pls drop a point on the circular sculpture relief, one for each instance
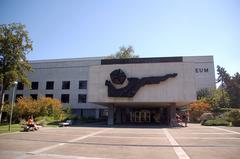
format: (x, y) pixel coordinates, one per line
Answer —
(118, 76)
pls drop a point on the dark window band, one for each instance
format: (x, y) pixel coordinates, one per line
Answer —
(141, 60)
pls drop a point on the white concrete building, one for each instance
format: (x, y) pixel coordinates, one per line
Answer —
(142, 90)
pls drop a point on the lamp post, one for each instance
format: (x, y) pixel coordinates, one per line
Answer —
(13, 93)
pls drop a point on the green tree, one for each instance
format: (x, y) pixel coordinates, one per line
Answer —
(214, 98)
(42, 107)
(231, 84)
(15, 44)
(224, 78)
(233, 88)
(15, 115)
(203, 93)
(124, 53)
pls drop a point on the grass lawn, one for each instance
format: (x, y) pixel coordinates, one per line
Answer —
(14, 128)
(52, 125)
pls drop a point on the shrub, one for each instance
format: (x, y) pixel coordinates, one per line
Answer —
(44, 120)
(22, 122)
(206, 116)
(27, 107)
(197, 109)
(216, 122)
(65, 114)
(41, 107)
(7, 110)
(223, 116)
(49, 107)
(234, 117)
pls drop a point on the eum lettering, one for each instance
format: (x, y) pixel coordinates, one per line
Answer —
(201, 70)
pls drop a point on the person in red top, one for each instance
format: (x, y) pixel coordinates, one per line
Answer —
(31, 123)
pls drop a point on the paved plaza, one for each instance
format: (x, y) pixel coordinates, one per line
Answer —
(193, 142)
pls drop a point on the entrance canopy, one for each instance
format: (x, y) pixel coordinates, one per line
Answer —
(144, 104)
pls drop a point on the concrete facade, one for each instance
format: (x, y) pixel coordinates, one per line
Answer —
(59, 70)
(204, 71)
(180, 89)
(194, 73)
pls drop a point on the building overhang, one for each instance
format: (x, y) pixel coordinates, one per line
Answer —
(144, 104)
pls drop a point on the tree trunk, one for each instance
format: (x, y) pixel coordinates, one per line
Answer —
(1, 103)
(2, 94)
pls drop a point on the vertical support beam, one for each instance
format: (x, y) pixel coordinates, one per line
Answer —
(118, 115)
(124, 115)
(110, 116)
(81, 112)
(173, 121)
(160, 113)
(97, 113)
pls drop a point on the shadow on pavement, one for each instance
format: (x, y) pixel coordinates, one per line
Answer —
(103, 124)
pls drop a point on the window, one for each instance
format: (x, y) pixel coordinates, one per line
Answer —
(34, 85)
(20, 86)
(65, 98)
(49, 85)
(82, 84)
(34, 96)
(18, 96)
(82, 98)
(6, 98)
(66, 85)
(49, 95)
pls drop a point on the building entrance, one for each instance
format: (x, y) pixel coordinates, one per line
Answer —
(153, 115)
(143, 116)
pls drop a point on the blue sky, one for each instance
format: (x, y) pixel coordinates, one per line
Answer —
(155, 28)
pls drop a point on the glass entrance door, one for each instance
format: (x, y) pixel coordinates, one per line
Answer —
(143, 116)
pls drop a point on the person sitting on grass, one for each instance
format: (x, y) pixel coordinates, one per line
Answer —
(31, 123)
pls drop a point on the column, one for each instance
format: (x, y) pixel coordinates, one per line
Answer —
(124, 115)
(110, 116)
(118, 116)
(97, 113)
(173, 121)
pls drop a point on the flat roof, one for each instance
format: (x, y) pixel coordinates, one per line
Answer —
(106, 61)
(67, 59)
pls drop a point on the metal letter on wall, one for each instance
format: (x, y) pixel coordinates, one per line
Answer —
(118, 77)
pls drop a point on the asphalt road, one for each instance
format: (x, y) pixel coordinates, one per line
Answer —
(192, 142)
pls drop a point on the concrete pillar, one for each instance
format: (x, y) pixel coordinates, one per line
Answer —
(172, 113)
(124, 115)
(118, 116)
(97, 113)
(110, 116)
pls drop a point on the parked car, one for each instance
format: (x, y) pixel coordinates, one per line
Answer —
(66, 123)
